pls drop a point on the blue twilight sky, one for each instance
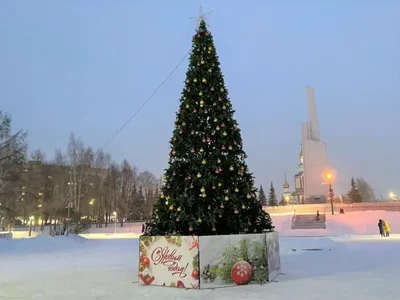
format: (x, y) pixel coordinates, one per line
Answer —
(87, 66)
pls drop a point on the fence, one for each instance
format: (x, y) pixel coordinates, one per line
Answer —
(312, 208)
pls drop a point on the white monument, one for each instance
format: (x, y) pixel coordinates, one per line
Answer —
(314, 156)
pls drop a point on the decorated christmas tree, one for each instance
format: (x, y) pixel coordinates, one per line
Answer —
(207, 186)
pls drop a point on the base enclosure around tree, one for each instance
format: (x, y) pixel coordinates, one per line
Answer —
(204, 262)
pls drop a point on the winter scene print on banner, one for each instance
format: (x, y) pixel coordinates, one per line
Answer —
(233, 260)
(274, 259)
(169, 261)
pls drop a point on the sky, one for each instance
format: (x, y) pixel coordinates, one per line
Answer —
(87, 66)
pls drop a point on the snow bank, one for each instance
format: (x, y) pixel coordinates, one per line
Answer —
(348, 224)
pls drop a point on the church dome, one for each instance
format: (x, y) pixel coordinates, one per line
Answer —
(285, 185)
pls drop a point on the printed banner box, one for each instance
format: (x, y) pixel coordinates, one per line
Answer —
(169, 261)
(204, 262)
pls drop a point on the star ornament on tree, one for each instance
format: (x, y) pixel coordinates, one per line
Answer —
(202, 16)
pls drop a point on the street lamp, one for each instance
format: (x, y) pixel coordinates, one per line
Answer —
(91, 202)
(115, 221)
(331, 194)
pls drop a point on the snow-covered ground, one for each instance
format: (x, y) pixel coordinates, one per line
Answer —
(77, 268)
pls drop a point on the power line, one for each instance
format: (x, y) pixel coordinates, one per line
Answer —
(144, 103)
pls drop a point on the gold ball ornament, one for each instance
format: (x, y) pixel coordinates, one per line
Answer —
(217, 128)
(173, 152)
(174, 233)
(230, 147)
(201, 150)
(215, 120)
(162, 196)
(209, 48)
(184, 124)
(171, 207)
(209, 70)
(199, 220)
(226, 198)
(187, 105)
(198, 175)
(195, 80)
(202, 62)
(222, 90)
(187, 80)
(224, 107)
(204, 80)
(203, 162)
(201, 103)
(200, 93)
(218, 161)
(248, 196)
(237, 190)
(203, 195)
(243, 206)
(179, 209)
(219, 184)
(202, 190)
(166, 202)
(224, 133)
(231, 168)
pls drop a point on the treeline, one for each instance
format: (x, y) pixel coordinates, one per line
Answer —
(86, 184)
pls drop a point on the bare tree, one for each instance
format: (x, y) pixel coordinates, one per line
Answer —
(149, 186)
(102, 163)
(80, 160)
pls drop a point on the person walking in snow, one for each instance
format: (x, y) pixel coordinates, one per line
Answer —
(381, 227)
(386, 227)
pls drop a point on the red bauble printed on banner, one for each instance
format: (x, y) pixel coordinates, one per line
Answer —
(242, 273)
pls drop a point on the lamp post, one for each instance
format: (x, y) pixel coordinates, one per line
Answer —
(115, 221)
(31, 218)
(331, 195)
(91, 202)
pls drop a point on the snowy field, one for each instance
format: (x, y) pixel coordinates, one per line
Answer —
(356, 264)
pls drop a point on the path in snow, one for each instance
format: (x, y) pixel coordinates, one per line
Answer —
(85, 270)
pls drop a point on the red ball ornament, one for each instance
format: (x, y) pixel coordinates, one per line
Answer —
(204, 140)
(236, 212)
(212, 89)
(192, 132)
(145, 261)
(214, 104)
(214, 229)
(195, 274)
(195, 110)
(193, 150)
(242, 273)
(222, 206)
(190, 229)
(177, 219)
(223, 148)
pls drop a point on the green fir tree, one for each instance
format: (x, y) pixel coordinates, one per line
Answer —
(261, 197)
(272, 200)
(207, 186)
(354, 193)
